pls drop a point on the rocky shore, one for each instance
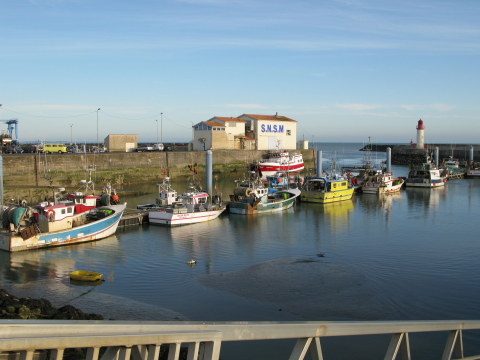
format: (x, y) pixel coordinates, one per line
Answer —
(12, 307)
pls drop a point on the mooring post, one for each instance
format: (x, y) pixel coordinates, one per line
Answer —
(389, 160)
(319, 163)
(437, 156)
(209, 171)
(471, 154)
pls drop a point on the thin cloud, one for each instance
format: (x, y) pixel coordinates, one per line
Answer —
(428, 107)
(246, 106)
(357, 107)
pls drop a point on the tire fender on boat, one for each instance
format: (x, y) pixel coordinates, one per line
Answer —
(51, 215)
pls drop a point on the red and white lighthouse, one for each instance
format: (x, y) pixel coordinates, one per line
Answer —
(420, 135)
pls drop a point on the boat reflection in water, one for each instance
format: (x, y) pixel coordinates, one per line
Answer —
(428, 199)
(337, 215)
(54, 263)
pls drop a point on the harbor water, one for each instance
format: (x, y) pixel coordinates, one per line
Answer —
(407, 256)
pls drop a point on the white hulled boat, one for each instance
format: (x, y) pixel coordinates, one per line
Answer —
(425, 176)
(188, 208)
(377, 181)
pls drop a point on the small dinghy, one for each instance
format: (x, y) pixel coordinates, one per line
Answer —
(80, 275)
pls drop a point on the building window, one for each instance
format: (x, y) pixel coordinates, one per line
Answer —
(289, 132)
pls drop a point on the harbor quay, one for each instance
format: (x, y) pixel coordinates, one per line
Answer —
(30, 171)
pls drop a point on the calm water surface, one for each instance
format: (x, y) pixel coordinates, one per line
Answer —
(413, 255)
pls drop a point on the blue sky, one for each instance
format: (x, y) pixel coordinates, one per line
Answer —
(344, 69)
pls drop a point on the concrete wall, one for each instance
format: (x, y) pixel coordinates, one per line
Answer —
(66, 169)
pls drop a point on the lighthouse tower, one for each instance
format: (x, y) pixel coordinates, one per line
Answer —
(420, 135)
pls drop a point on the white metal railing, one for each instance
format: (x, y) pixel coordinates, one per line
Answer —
(108, 340)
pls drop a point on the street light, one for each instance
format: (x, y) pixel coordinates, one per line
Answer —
(71, 137)
(157, 129)
(161, 127)
(98, 144)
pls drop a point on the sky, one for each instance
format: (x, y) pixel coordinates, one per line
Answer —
(345, 70)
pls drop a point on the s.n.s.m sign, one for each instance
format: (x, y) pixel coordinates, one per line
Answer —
(271, 128)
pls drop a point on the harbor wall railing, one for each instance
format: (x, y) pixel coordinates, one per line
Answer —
(108, 340)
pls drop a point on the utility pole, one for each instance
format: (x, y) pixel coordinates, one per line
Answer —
(98, 144)
(161, 127)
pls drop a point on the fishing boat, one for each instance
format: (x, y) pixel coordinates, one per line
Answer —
(380, 182)
(252, 197)
(281, 180)
(473, 170)
(55, 224)
(425, 176)
(81, 275)
(282, 161)
(192, 207)
(326, 190)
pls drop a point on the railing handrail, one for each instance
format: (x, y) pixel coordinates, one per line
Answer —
(143, 339)
(234, 331)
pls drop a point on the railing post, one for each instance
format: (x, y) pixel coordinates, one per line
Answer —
(454, 345)
(316, 350)
(56, 354)
(193, 349)
(300, 349)
(212, 350)
(153, 352)
(92, 353)
(174, 351)
(399, 344)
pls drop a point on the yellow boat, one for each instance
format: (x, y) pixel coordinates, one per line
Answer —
(80, 275)
(324, 191)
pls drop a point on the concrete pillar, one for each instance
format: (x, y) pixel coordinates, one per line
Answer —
(470, 157)
(437, 156)
(319, 163)
(209, 171)
(1, 187)
(389, 160)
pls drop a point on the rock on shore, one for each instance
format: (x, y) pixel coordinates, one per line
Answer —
(12, 307)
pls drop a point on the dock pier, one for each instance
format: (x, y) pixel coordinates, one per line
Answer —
(133, 217)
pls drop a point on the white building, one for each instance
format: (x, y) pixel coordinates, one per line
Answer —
(248, 131)
(271, 132)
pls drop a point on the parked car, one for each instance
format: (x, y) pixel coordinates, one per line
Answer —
(54, 148)
(72, 149)
(29, 148)
(14, 149)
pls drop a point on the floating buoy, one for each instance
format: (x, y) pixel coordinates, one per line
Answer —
(191, 262)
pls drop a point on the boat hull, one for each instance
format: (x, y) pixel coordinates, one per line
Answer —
(257, 207)
(162, 217)
(473, 173)
(424, 183)
(379, 189)
(89, 232)
(270, 169)
(326, 197)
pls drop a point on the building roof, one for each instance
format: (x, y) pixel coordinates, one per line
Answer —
(213, 123)
(275, 117)
(224, 118)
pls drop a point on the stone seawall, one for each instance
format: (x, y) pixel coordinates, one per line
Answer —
(122, 168)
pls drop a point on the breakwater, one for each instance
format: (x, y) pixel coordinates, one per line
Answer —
(119, 169)
(408, 154)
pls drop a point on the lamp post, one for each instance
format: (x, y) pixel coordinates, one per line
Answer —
(97, 131)
(71, 136)
(157, 131)
(161, 127)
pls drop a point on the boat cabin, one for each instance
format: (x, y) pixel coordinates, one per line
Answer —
(324, 185)
(83, 202)
(55, 217)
